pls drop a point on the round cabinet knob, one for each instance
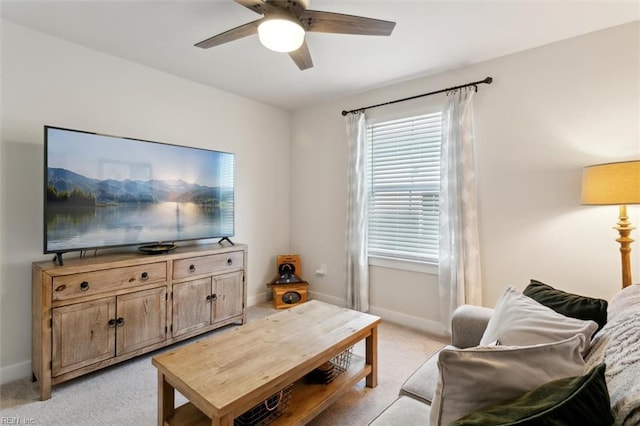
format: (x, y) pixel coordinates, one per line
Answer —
(120, 322)
(84, 286)
(145, 276)
(229, 262)
(192, 268)
(112, 323)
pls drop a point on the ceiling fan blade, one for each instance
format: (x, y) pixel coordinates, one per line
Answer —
(328, 22)
(302, 57)
(296, 7)
(258, 6)
(231, 35)
(297, 3)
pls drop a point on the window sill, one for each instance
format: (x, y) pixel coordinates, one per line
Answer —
(405, 265)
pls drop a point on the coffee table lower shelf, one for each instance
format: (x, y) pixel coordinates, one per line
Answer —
(307, 400)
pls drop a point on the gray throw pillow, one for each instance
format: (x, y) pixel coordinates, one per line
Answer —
(519, 320)
(582, 400)
(476, 378)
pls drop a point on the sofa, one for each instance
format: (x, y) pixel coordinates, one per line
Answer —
(540, 357)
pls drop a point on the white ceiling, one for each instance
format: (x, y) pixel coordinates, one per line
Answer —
(429, 37)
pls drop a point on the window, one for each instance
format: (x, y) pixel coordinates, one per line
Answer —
(403, 183)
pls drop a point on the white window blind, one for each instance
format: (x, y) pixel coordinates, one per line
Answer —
(403, 182)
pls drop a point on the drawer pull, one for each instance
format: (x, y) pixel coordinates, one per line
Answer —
(229, 262)
(120, 322)
(145, 276)
(192, 268)
(214, 297)
(112, 323)
(208, 298)
(84, 286)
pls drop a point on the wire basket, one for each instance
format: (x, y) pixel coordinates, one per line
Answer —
(328, 371)
(266, 411)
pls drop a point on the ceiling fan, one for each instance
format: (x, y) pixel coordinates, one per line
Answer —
(284, 23)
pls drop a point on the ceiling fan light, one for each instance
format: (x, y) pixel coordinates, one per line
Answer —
(281, 35)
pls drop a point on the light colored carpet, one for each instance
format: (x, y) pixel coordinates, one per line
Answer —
(125, 394)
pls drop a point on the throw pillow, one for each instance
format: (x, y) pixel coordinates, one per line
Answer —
(518, 320)
(476, 378)
(582, 400)
(569, 304)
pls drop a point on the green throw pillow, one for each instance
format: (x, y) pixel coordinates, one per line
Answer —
(568, 304)
(582, 400)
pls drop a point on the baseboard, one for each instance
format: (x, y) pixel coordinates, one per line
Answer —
(314, 295)
(430, 326)
(15, 372)
(258, 298)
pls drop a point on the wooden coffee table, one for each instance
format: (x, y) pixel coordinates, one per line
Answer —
(227, 374)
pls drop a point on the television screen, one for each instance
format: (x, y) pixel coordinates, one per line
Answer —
(107, 191)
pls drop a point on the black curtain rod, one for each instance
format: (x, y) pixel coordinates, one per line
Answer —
(487, 80)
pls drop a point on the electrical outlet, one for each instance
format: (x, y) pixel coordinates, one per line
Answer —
(322, 270)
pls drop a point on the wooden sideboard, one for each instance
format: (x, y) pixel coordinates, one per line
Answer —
(97, 311)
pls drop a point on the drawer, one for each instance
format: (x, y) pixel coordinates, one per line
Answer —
(201, 265)
(88, 283)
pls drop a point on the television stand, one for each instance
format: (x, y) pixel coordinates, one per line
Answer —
(226, 238)
(98, 311)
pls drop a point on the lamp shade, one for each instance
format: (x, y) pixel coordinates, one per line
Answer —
(281, 34)
(611, 183)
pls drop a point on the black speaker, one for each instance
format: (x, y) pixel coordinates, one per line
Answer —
(291, 297)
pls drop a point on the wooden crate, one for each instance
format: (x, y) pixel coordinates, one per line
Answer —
(289, 295)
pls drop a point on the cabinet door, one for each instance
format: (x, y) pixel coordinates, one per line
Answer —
(191, 306)
(82, 334)
(228, 290)
(141, 319)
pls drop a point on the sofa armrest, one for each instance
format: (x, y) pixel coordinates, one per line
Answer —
(468, 324)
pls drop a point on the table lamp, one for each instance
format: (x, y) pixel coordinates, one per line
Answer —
(615, 184)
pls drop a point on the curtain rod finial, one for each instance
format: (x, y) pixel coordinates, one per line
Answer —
(344, 113)
(488, 80)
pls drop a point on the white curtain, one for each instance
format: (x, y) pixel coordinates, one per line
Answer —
(357, 264)
(459, 269)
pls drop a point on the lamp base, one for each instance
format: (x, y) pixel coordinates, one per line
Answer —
(624, 228)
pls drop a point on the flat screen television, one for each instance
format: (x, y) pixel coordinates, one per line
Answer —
(103, 191)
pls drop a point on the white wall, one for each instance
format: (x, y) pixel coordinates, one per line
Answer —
(550, 111)
(46, 80)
